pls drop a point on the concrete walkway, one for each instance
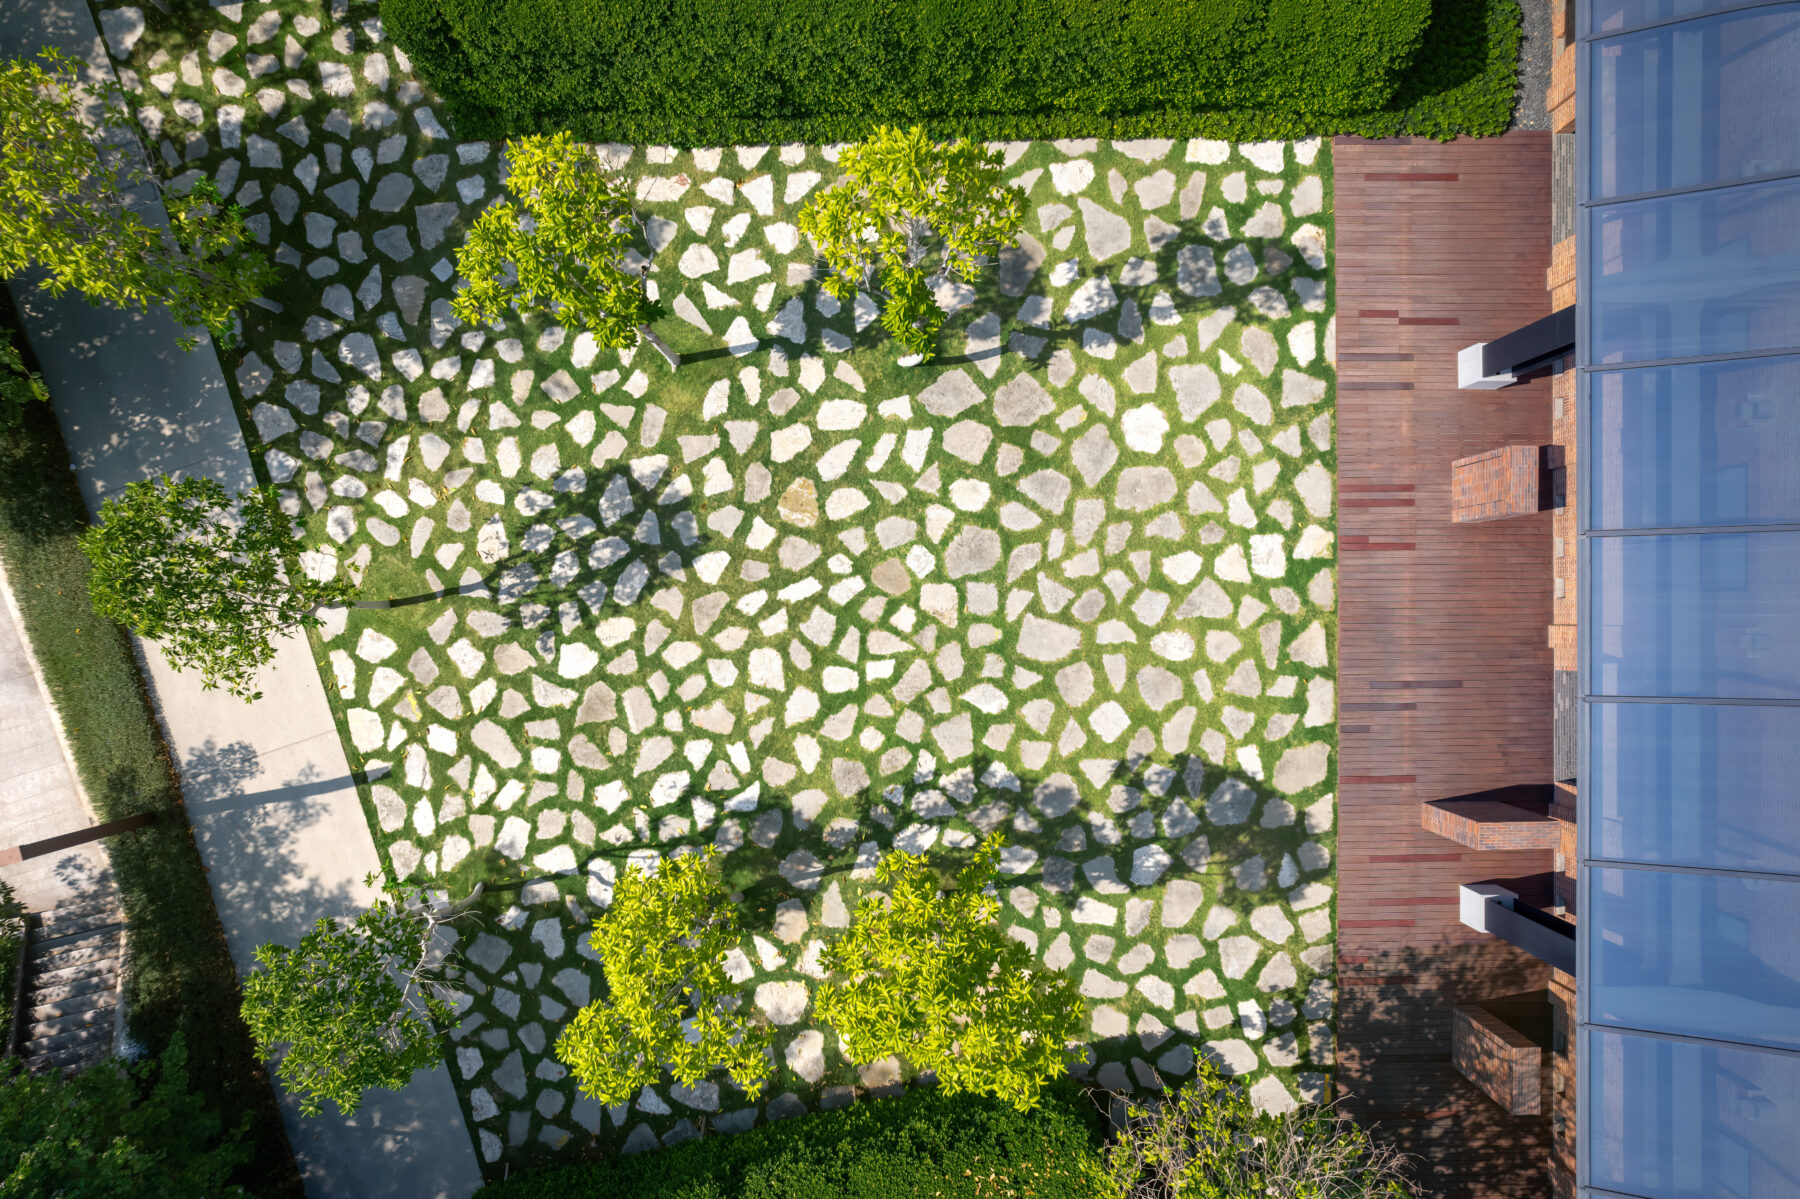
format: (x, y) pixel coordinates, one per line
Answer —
(267, 785)
(40, 793)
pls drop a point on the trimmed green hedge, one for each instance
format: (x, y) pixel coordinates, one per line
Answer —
(181, 978)
(923, 1143)
(695, 72)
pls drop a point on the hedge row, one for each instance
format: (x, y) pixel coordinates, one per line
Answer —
(923, 1143)
(181, 978)
(694, 72)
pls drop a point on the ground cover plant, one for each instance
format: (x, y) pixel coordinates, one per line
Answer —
(715, 72)
(925, 1143)
(181, 981)
(1071, 580)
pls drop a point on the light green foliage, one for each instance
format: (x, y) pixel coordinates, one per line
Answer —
(113, 1132)
(18, 386)
(668, 1004)
(353, 1002)
(71, 174)
(559, 246)
(907, 208)
(932, 977)
(1208, 1141)
(210, 579)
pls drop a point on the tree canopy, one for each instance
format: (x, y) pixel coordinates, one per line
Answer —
(212, 580)
(910, 210)
(564, 243)
(931, 977)
(352, 1005)
(74, 181)
(662, 944)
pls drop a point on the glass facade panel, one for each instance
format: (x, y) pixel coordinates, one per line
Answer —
(1679, 1120)
(1695, 615)
(1623, 14)
(1706, 273)
(1698, 954)
(1695, 785)
(1705, 101)
(1715, 443)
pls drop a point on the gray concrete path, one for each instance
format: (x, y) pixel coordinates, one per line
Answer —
(267, 785)
(40, 793)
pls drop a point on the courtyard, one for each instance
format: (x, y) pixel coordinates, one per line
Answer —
(1071, 581)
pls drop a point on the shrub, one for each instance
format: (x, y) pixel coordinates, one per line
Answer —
(1208, 1138)
(115, 1132)
(12, 933)
(924, 1143)
(715, 72)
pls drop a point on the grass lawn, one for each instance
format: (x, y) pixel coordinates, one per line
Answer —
(1072, 580)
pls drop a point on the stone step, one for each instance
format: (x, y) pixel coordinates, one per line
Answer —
(104, 899)
(103, 982)
(68, 953)
(68, 1060)
(86, 1036)
(101, 917)
(73, 972)
(97, 1000)
(42, 1031)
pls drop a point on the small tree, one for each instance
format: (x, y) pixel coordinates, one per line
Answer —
(930, 976)
(669, 1006)
(353, 1003)
(71, 170)
(114, 1132)
(908, 207)
(564, 247)
(212, 580)
(1208, 1139)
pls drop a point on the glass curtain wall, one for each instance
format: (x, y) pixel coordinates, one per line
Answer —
(1688, 345)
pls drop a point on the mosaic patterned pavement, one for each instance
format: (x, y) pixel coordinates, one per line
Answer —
(1071, 581)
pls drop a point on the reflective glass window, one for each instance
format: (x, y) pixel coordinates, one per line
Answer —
(1695, 785)
(1714, 615)
(1623, 14)
(1680, 1120)
(1715, 443)
(1698, 954)
(1704, 101)
(1703, 273)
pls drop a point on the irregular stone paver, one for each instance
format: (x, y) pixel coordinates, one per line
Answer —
(811, 604)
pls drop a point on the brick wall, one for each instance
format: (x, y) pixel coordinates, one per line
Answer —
(1559, 276)
(1560, 99)
(1564, 576)
(1489, 825)
(1504, 1063)
(1497, 484)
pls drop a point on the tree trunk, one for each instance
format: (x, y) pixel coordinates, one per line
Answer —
(669, 356)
